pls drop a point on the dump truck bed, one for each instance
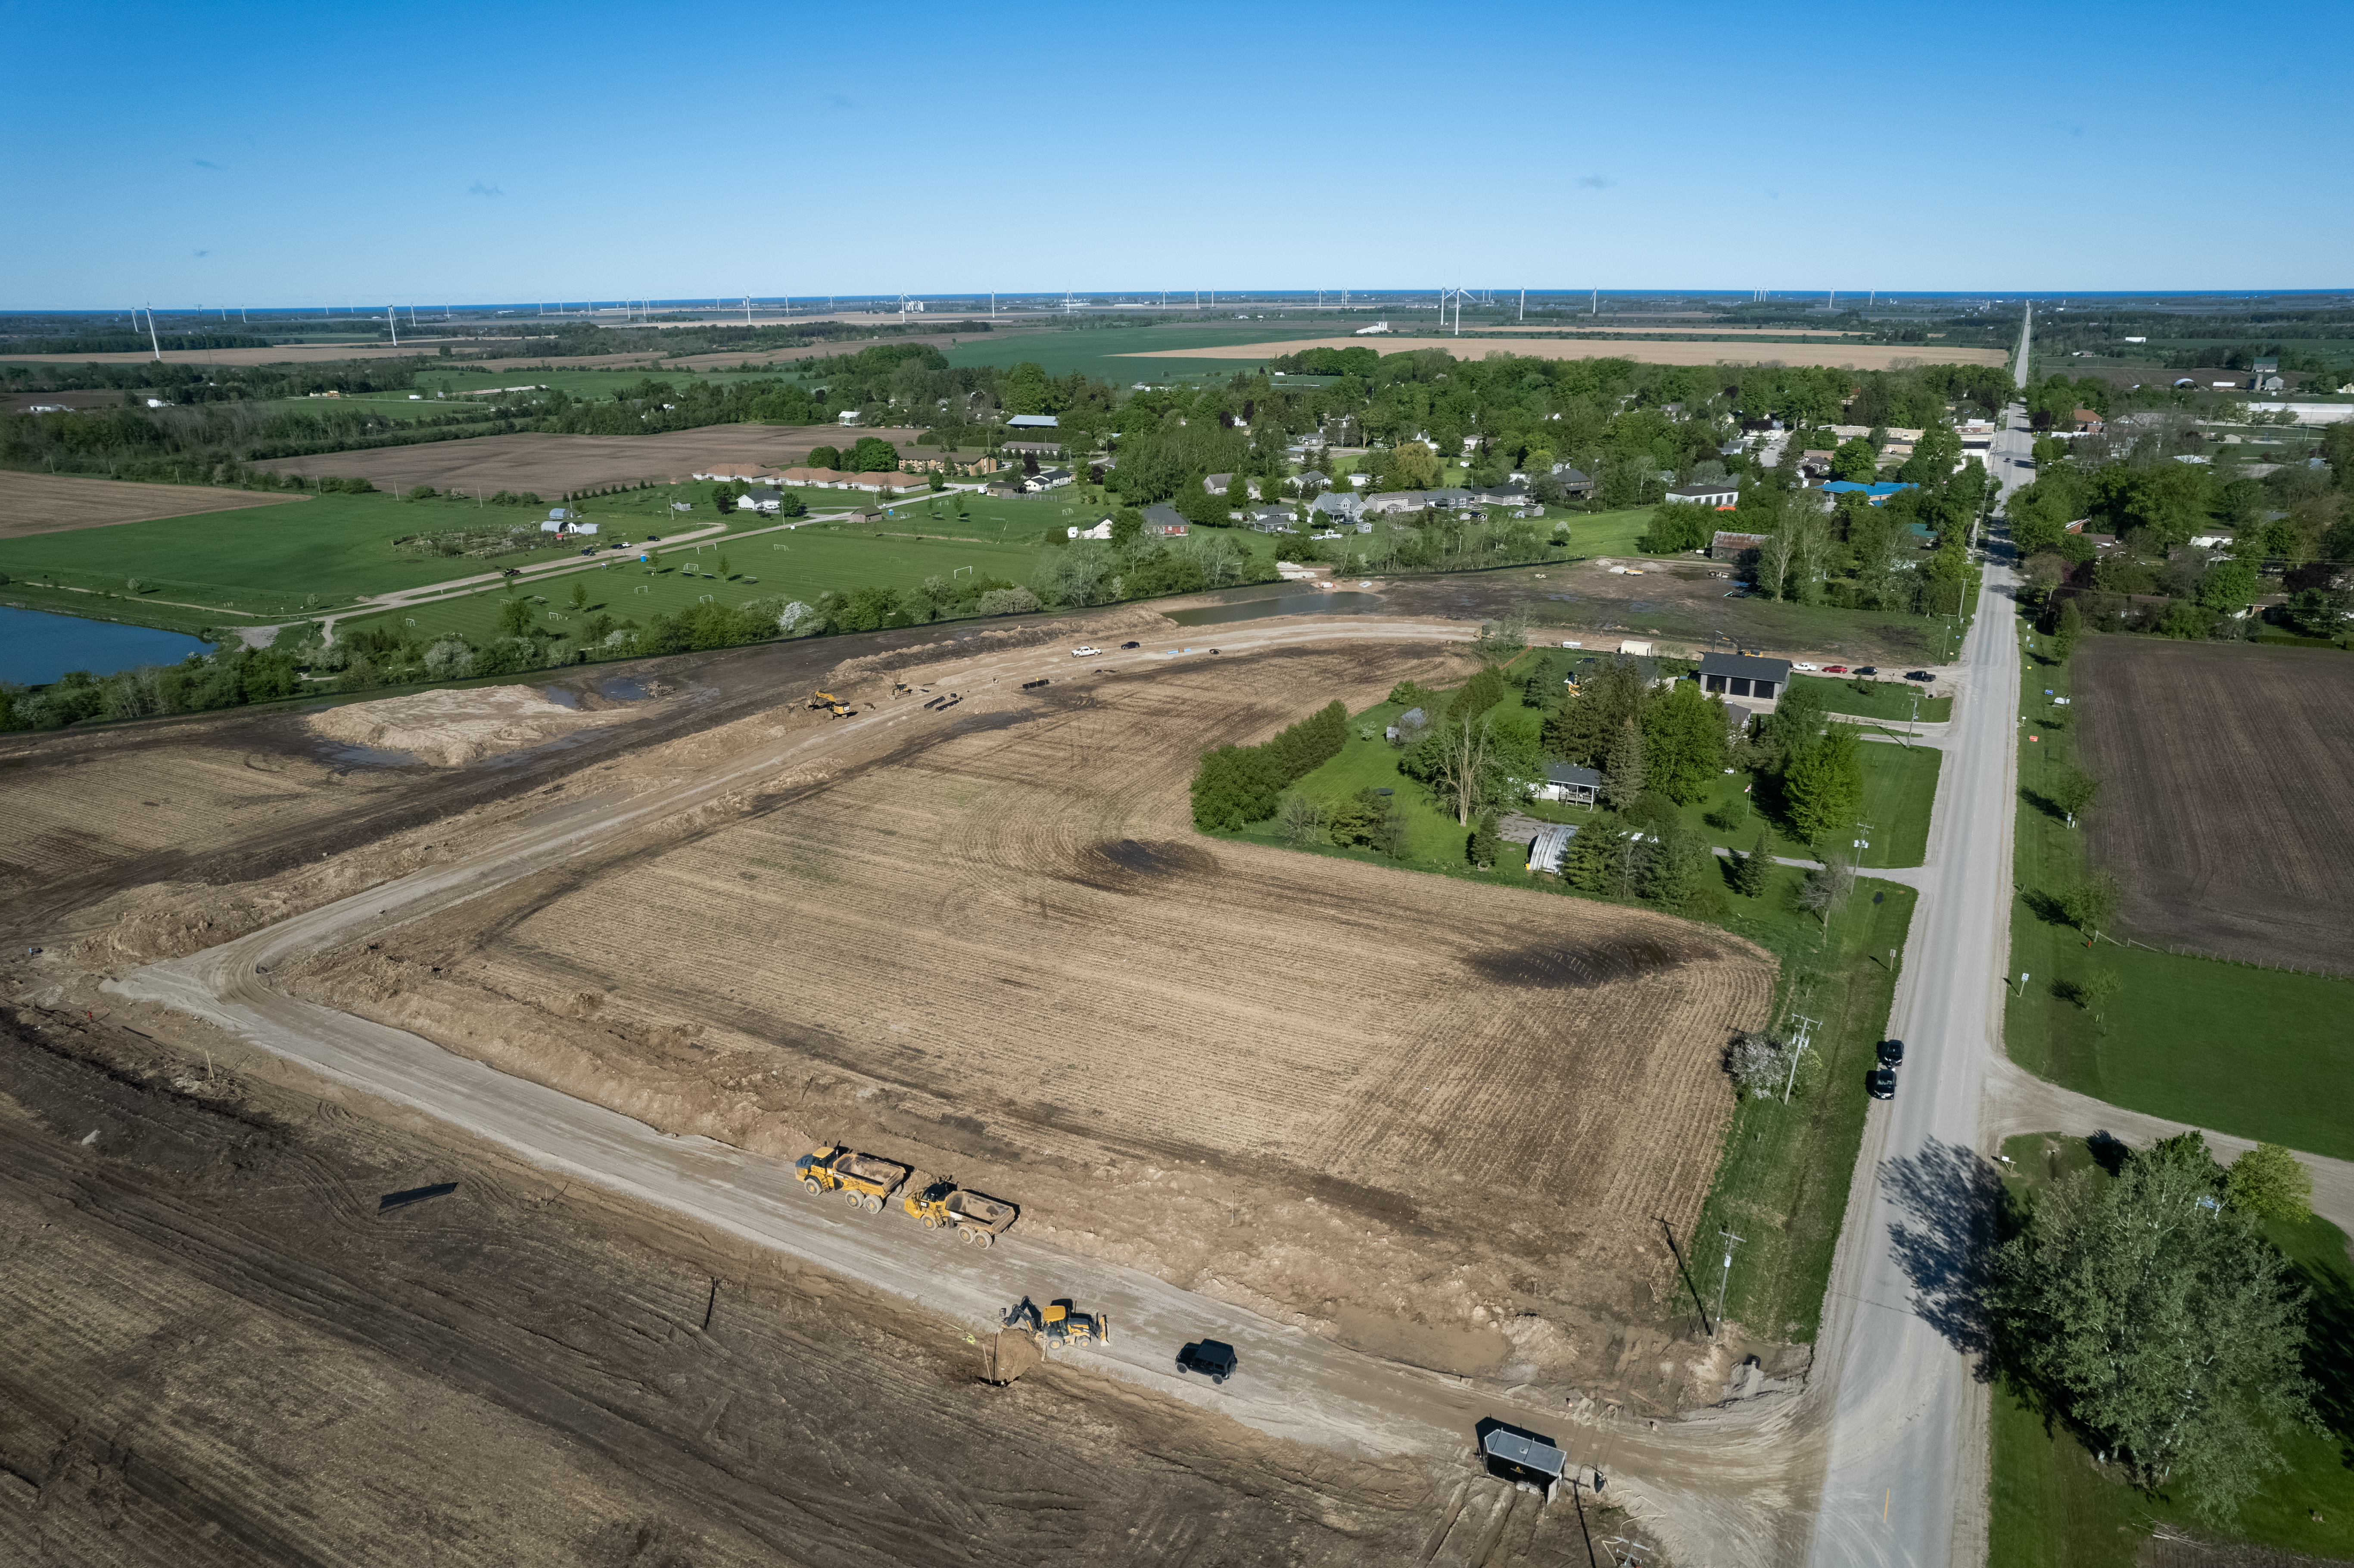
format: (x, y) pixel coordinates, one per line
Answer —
(978, 1209)
(868, 1168)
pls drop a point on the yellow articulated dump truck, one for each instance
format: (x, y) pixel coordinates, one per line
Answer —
(976, 1219)
(869, 1179)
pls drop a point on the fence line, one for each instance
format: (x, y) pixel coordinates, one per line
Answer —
(2179, 952)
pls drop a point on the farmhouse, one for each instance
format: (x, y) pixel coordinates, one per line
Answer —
(1579, 786)
(1724, 497)
(1743, 675)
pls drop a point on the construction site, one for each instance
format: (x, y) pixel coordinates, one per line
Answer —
(804, 1096)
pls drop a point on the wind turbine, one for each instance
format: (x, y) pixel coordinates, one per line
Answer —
(152, 341)
(392, 316)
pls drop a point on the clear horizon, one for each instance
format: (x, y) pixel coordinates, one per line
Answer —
(323, 159)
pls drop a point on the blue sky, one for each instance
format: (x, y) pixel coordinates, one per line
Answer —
(324, 155)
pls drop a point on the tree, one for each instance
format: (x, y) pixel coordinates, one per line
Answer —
(1412, 466)
(2073, 789)
(2158, 1321)
(1127, 528)
(1823, 786)
(1622, 773)
(723, 497)
(579, 595)
(2066, 627)
(1855, 460)
(1684, 742)
(1484, 849)
(1825, 891)
(1586, 864)
(872, 454)
(2269, 1183)
(1202, 508)
(2229, 586)
(1300, 820)
(825, 457)
(2092, 904)
(515, 617)
(1749, 875)
(723, 568)
(1466, 745)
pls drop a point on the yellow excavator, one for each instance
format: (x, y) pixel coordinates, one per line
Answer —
(831, 703)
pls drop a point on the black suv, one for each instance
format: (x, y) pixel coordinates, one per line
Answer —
(1919, 675)
(1892, 1052)
(1212, 1358)
(1865, 670)
(1131, 645)
(1881, 1083)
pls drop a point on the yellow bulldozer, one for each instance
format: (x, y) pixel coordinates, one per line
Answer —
(976, 1219)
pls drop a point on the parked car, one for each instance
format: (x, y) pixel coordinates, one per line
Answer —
(1865, 670)
(1214, 1359)
(1881, 1083)
(1892, 1052)
(1805, 666)
(1919, 675)
(1131, 645)
(1834, 669)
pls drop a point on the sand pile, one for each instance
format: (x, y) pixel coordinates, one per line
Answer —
(452, 729)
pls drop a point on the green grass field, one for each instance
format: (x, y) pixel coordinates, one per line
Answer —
(2260, 1052)
(1900, 785)
(265, 563)
(1888, 701)
(800, 564)
(2051, 1506)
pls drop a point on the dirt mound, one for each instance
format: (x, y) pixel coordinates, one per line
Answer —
(450, 730)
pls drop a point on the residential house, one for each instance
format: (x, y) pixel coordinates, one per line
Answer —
(1573, 480)
(1001, 490)
(1876, 493)
(1046, 479)
(1725, 497)
(1579, 786)
(1219, 483)
(2267, 377)
(1271, 519)
(1449, 498)
(847, 416)
(1164, 521)
(766, 498)
(1100, 531)
(1744, 675)
(1388, 502)
(2085, 422)
(1316, 478)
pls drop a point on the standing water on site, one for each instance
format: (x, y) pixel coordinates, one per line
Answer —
(1285, 604)
(37, 647)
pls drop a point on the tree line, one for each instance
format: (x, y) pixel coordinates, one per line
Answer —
(1235, 785)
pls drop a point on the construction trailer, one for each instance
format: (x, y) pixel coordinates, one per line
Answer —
(868, 1179)
(976, 1219)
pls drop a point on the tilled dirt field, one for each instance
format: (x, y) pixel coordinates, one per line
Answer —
(1701, 351)
(221, 1351)
(54, 503)
(551, 465)
(2227, 794)
(1446, 1122)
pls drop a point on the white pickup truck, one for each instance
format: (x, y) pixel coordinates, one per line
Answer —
(1085, 652)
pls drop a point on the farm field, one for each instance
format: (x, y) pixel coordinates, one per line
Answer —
(801, 563)
(54, 503)
(1700, 351)
(554, 464)
(2258, 1051)
(2227, 803)
(2052, 1508)
(1124, 354)
(1011, 958)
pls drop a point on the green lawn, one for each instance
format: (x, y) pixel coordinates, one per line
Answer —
(1595, 534)
(1782, 1175)
(1900, 784)
(800, 564)
(2259, 1052)
(267, 562)
(2052, 1508)
(1889, 701)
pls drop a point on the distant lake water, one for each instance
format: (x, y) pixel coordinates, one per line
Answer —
(37, 647)
(1318, 602)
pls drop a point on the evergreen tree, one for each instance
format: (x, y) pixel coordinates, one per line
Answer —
(1622, 773)
(1485, 849)
(1586, 864)
(1823, 786)
(1749, 876)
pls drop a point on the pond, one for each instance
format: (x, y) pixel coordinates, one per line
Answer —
(1320, 603)
(37, 647)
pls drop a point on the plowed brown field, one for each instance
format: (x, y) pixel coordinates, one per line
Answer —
(554, 464)
(53, 503)
(1447, 1120)
(2227, 794)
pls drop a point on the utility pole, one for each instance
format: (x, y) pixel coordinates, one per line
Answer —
(1805, 1038)
(1731, 1241)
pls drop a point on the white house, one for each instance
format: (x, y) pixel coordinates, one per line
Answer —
(1100, 531)
(1579, 786)
(765, 498)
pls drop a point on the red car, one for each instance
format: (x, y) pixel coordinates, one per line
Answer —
(1834, 669)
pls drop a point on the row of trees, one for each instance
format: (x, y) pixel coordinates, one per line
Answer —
(1235, 785)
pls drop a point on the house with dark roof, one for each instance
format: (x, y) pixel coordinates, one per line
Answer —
(1579, 786)
(1744, 675)
(1164, 521)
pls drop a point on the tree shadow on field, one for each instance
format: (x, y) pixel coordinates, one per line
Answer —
(2042, 803)
(1950, 1197)
(2044, 906)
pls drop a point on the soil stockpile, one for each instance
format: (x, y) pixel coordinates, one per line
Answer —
(451, 728)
